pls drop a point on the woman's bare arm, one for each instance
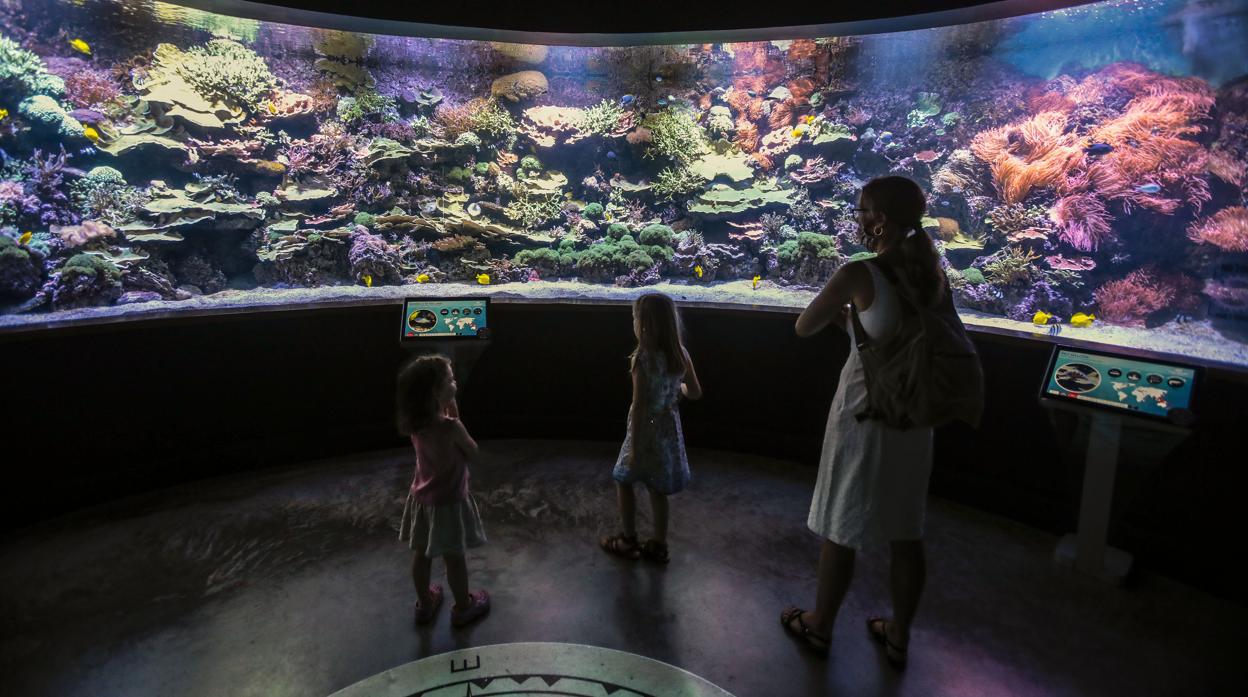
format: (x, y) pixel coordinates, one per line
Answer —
(829, 305)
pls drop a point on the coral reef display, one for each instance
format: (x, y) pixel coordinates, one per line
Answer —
(161, 163)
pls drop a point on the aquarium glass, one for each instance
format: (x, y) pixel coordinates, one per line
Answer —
(1085, 168)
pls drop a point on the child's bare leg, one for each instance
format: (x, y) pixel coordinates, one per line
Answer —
(658, 505)
(421, 567)
(628, 508)
(457, 578)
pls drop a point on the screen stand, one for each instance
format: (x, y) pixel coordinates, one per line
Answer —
(1086, 550)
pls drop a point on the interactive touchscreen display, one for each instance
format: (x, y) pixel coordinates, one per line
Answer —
(449, 318)
(1144, 387)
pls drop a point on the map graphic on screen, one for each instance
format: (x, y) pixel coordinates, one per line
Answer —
(1145, 387)
(445, 319)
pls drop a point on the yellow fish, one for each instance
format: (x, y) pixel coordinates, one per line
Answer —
(1081, 320)
(25, 238)
(368, 281)
(272, 109)
(483, 279)
(91, 134)
(4, 114)
(698, 270)
(1041, 317)
(756, 280)
(799, 131)
(808, 118)
(423, 278)
(80, 46)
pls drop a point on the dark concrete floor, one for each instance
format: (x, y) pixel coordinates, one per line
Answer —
(292, 583)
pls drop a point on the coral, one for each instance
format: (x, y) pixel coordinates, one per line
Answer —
(957, 174)
(656, 234)
(1035, 153)
(1009, 266)
(90, 87)
(229, 71)
(493, 120)
(532, 212)
(523, 85)
(48, 113)
(747, 135)
(815, 172)
(676, 181)
(553, 125)
(675, 135)
(195, 270)
(81, 235)
(722, 200)
(23, 73)
(719, 120)
(530, 163)
(86, 280)
(1014, 220)
(781, 116)
(369, 255)
(808, 260)
(1083, 221)
(593, 211)
(603, 118)
(46, 201)
(1227, 230)
(1132, 299)
(102, 194)
(927, 108)
(304, 261)
(21, 270)
(617, 230)
(367, 105)
(522, 53)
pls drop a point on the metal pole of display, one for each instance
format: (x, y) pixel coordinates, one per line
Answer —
(1087, 550)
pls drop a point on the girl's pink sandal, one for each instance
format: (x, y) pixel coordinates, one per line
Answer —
(425, 615)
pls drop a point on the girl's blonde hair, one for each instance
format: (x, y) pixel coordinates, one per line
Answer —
(416, 396)
(660, 330)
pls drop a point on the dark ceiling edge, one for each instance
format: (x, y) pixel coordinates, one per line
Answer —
(369, 25)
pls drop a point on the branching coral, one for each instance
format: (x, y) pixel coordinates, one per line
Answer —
(676, 181)
(675, 135)
(1010, 265)
(603, 118)
(89, 87)
(370, 256)
(24, 73)
(815, 171)
(1227, 230)
(747, 135)
(493, 120)
(228, 70)
(104, 195)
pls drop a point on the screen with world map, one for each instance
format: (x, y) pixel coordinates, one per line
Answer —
(1145, 387)
(453, 318)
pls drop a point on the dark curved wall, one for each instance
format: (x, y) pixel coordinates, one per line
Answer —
(92, 414)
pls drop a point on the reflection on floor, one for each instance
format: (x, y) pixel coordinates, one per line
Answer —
(293, 583)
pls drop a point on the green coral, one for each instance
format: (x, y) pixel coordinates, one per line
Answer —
(102, 194)
(809, 245)
(829, 132)
(532, 212)
(23, 72)
(529, 163)
(90, 265)
(481, 168)
(493, 120)
(719, 120)
(364, 218)
(468, 140)
(1010, 265)
(602, 118)
(617, 231)
(367, 104)
(229, 70)
(675, 135)
(861, 256)
(593, 211)
(951, 119)
(927, 108)
(722, 200)
(47, 112)
(676, 181)
(972, 275)
(656, 234)
(458, 174)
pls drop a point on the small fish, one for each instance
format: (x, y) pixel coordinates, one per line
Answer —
(658, 78)
(697, 270)
(1098, 148)
(474, 209)
(799, 131)
(91, 134)
(4, 114)
(627, 99)
(608, 217)
(422, 278)
(885, 137)
(1148, 188)
(808, 118)
(756, 280)
(611, 155)
(1041, 318)
(368, 280)
(1079, 319)
(662, 101)
(271, 107)
(483, 279)
(25, 238)
(80, 46)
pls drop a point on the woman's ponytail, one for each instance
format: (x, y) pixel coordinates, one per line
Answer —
(902, 201)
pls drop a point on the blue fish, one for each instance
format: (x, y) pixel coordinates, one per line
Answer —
(658, 78)
(610, 154)
(1148, 188)
(1098, 148)
(627, 99)
(662, 101)
(885, 137)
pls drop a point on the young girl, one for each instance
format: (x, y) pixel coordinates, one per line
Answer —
(441, 517)
(654, 448)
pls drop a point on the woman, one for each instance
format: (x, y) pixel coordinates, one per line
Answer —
(872, 483)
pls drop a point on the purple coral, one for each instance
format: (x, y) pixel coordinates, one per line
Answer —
(815, 172)
(46, 197)
(371, 256)
(89, 87)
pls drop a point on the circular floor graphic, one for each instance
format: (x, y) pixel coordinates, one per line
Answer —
(522, 670)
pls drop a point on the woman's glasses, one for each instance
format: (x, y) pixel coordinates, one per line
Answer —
(856, 211)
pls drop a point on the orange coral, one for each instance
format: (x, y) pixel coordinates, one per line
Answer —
(506, 159)
(756, 109)
(704, 102)
(747, 135)
(764, 162)
(802, 50)
(750, 56)
(1035, 153)
(1049, 101)
(1132, 299)
(458, 119)
(781, 115)
(739, 99)
(801, 89)
(1228, 168)
(1227, 230)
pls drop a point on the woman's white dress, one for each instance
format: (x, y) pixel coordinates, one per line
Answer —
(872, 483)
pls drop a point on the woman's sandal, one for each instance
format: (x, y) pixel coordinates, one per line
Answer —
(877, 627)
(425, 615)
(478, 605)
(655, 551)
(621, 546)
(810, 638)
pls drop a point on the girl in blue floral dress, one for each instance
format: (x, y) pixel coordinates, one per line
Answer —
(654, 447)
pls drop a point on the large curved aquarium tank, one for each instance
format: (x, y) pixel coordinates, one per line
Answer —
(1086, 167)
